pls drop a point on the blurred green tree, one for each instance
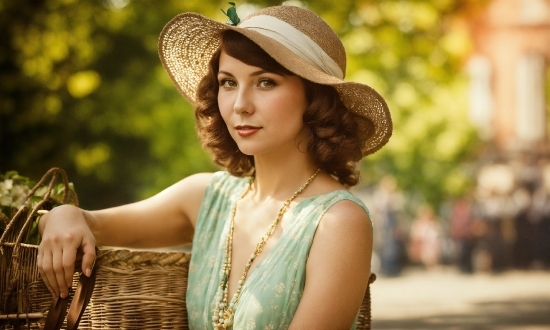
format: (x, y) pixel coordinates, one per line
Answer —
(81, 87)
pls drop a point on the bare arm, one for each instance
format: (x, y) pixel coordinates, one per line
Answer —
(337, 270)
(166, 219)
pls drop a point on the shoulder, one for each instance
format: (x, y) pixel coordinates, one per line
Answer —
(344, 231)
(337, 268)
(346, 219)
(221, 178)
(222, 183)
(185, 196)
(348, 207)
(194, 184)
(201, 181)
(343, 208)
(340, 203)
(194, 188)
(204, 187)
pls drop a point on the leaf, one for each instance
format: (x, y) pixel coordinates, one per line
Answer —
(232, 14)
(33, 235)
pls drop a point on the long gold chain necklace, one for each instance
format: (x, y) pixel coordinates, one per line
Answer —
(224, 309)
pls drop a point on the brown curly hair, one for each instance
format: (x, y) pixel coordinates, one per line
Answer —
(333, 140)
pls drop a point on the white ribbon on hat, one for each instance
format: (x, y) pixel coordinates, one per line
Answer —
(295, 40)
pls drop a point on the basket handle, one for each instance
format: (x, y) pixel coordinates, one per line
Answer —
(55, 173)
(81, 298)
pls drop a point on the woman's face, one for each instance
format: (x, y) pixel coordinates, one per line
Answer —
(262, 110)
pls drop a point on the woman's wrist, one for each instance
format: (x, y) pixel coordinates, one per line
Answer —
(42, 222)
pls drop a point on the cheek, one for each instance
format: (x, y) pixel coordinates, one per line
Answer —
(225, 108)
(290, 109)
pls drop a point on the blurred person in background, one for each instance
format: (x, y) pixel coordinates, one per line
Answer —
(532, 248)
(388, 203)
(462, 232)
(541, 209)
(496, 208)
(425, 238)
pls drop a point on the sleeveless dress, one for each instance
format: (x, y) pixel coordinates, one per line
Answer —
(273, 288)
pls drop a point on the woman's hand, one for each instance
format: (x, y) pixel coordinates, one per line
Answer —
(65, 233)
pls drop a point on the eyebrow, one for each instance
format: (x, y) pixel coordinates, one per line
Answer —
(253, 74)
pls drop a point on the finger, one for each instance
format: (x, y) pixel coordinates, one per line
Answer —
(49, 273)
(59, 277)
(89, 258)
(43, 276)
(69, 257)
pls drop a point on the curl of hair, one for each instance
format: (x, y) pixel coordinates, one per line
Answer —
(334, 141)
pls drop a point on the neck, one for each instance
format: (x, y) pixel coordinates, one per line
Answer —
(280, 179)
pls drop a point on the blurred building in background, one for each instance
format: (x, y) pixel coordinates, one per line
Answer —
(509, 73)
(509, 222)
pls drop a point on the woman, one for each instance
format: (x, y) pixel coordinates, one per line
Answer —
(278, 241)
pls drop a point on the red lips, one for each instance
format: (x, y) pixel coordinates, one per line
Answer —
(245, 130)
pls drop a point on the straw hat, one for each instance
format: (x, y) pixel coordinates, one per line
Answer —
(296, 38)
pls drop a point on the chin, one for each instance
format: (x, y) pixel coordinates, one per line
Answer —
(257, 148)
(252, 150)
(248, 151)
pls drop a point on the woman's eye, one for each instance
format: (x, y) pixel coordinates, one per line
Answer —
(227, 83)
(266, 83)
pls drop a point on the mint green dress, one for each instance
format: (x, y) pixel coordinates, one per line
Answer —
(272, 291)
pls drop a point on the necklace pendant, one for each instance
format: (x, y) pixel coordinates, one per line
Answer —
(223, 320)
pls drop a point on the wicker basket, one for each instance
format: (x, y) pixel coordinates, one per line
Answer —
(364, 317)
(22, 293)
(138, 290)
(133, 289)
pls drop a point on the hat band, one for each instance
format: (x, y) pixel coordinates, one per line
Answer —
(294, 40)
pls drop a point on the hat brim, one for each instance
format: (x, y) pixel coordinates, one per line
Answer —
(189, 40)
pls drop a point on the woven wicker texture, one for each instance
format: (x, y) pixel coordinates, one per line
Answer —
(364, 318)
(133, 290)
(189, 40)
(138, 290)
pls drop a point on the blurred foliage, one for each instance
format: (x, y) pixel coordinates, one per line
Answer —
(82, 88)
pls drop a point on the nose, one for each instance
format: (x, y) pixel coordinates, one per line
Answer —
(243, 102)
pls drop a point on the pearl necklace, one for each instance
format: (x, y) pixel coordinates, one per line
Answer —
(224, 311)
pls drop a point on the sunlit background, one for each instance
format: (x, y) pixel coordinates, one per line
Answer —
(464, 181)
